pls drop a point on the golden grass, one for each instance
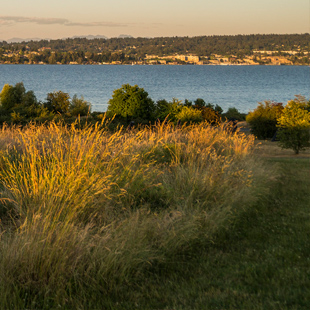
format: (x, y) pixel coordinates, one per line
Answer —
(86, 210)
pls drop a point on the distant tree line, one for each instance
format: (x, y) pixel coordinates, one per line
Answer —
(131, 106)
(128, 49)
(128, 105)
(20, 106)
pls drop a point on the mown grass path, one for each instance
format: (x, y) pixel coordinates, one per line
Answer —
(263, 262)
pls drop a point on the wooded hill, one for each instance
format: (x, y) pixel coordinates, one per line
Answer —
(202, 45)
(132, 49)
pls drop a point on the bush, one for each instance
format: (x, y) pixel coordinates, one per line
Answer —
(199, 103)
(210, 115)
(58, 102)
(11, 96)
(233, 113)
(16, 97)
(189, 115)
(131, 102)
(79, 106)
(294, 126)
(263, 120)
(168, 109)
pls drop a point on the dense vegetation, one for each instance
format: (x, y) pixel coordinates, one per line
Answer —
(132, 106)
(87, 213)
(164, 217)
(82, 50)
(94, 218)
(129, 104)
(289, 124)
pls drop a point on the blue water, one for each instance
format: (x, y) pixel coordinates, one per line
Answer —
(228, 86)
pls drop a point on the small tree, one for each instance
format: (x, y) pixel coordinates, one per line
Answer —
(189, 115)
(294, 126)
(199, 103)
(131, 102)
(19, 104)
(234, 113)
(168, 109)
(79, 106)
(263, 120)
(210, 115)
(12, 96)
(57, 102)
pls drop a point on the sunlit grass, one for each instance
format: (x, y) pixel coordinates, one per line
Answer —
(86, 211)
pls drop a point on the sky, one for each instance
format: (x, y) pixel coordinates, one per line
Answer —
(149, 18)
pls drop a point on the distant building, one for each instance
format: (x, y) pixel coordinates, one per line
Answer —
(188, 58)
(44, 49)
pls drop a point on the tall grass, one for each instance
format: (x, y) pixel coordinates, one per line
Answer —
(86, 212)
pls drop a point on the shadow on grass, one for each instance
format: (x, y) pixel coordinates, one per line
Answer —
(261, 262)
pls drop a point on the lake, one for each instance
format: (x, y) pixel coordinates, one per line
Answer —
(228, 86)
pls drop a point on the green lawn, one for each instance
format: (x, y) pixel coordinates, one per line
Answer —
(263, 262)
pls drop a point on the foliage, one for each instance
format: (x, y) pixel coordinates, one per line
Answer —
(233, 113)
(12, 96)
(17, 105)
(79, 106)
(263, 120)
(168, 109)
(82, 50)
(199, 103)
(93, 212)
(210, 115)
(189, 115)
(294, 126)
(218, 109)
(131, 102)
(58, 102)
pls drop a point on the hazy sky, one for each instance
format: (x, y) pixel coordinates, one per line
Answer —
(149, 18)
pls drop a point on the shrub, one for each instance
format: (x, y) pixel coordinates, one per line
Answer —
(131, 102)
(17, 105)
(168, 109)
(79, 106)
(189, 115)
(11, 96)
(218, 109)
(294, 126)
(233, 113)
(263, 120)
(58, 102)
(199, 103)
(211, 116)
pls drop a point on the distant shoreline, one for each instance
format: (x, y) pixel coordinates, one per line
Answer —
(168, 65)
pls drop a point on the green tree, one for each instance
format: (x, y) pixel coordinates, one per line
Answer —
(57, 102)
(210, 115)
(12, 96)
(218, 109)
(169, 110)
(263, 120)
(199, 103)
(131, 102)
(189, 115)
(294, 126)
(233, 113)
(79, 106)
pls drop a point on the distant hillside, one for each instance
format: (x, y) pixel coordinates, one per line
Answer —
(202, 45)
(161, 50)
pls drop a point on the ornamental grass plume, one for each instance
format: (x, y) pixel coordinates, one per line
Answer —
(86, 212)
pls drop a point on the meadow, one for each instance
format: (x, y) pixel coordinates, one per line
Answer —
(93, 219)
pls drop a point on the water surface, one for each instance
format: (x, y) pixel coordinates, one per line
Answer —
(228, 86)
